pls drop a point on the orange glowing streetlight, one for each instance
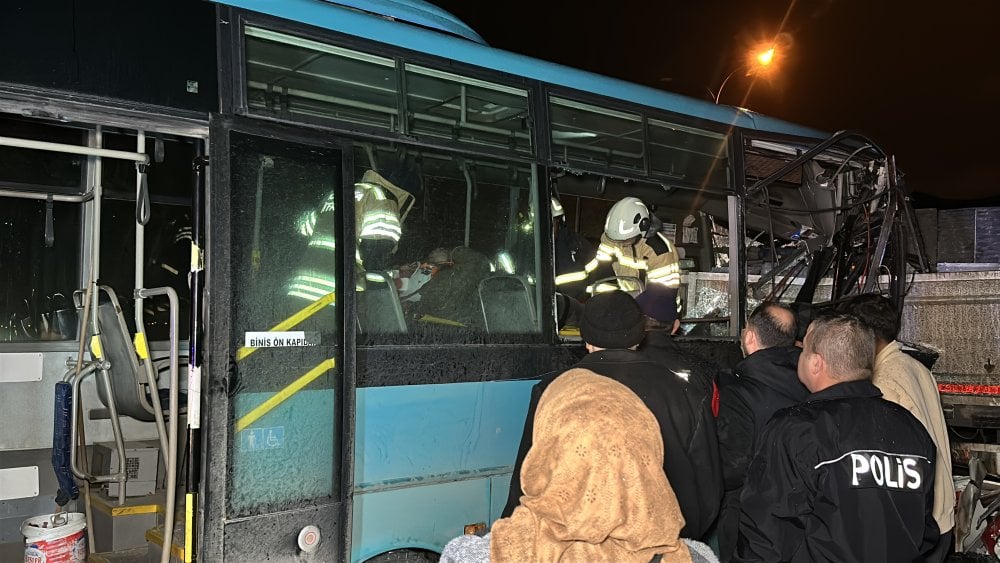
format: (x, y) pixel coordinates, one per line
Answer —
(758, 60)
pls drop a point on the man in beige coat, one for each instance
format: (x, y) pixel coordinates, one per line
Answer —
(906, 382)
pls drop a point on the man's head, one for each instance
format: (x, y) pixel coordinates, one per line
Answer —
(875, 312)
(659, 304)
(770, 324)
(836, 349)
(612, 320)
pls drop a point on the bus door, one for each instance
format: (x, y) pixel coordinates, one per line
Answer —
(280, 389)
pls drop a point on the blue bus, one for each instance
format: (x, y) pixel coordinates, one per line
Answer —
(349, 207)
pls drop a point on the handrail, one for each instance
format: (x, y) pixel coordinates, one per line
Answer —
(171, 501)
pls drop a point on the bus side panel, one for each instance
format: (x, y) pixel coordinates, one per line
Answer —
(499, 489)
(422, 517)
(425, 459)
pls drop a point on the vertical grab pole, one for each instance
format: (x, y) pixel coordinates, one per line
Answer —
(141, 344)
(194, 360)
(168, 527)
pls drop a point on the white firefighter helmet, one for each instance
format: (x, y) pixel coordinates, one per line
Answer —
(628, 218)
(557, 209)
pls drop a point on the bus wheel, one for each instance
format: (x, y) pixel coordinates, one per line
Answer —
(406, 556)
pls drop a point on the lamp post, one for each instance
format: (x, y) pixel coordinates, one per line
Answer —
(756, 62)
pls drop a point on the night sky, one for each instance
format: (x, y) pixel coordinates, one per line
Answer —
(922, 78)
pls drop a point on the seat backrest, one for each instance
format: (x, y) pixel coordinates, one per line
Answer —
(507, 305)
(379, 310)
(127, 378)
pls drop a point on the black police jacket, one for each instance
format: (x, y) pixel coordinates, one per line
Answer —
(663, 393)
(845, 476)
(764, 383)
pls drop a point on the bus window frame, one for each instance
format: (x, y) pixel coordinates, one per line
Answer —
(218, 330)
(645, 113)
(234, 82)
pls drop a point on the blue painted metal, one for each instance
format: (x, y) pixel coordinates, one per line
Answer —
(344, 20)
(417, 517)
(430, 459)
(415, 11)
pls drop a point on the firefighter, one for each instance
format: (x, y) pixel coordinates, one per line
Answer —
(379, 210)
(574, 256)
(575, 259)
(634, 246)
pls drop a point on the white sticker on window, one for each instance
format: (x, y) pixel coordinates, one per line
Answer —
(280, 339)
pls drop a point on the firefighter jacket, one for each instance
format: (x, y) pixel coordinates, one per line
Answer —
(685, 449)
(652, 260)
(575, 260)
(379, 209)
(844, 476)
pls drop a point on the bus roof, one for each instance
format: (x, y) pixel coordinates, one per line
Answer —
(413, 11)
(362, 22)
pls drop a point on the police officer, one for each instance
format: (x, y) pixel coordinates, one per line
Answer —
(635, 248)
(844, 476)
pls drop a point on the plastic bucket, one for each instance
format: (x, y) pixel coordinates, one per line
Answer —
(55, 538)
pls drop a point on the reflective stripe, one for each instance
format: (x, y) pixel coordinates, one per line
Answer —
(374, 188)
(382, 230)
(570, 277)
(324, 242)
(662, 271)
(591, 266)
(630, 263)
(329, 203)
(317, 279)
(605, 287)
(307, 223)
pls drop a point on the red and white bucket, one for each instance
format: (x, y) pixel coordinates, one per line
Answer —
(55, 538)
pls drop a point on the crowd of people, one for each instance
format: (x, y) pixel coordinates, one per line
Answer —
(832, 448)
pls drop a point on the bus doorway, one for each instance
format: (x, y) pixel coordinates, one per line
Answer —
(280, 416)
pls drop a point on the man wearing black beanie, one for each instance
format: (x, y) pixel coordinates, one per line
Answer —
(612, 328)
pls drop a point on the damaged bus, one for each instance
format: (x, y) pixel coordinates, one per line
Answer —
(279, 276)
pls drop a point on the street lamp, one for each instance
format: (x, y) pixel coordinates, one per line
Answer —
(757, 61)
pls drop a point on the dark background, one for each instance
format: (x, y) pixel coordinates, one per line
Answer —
(922, 78)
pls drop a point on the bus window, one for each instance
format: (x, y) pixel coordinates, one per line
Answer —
(37, 280)
(290, 76)
(600, 137)
(283, 268)
(461, 108)
(38, 276)
(35, 169)
(696, 157)
(468, 241)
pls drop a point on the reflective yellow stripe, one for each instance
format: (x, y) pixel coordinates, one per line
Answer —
(303, 314)
(604, 287)
(590, 267)
(672, 280)
(283, 395)
(570, 277)
(672, 268)
(630, 263)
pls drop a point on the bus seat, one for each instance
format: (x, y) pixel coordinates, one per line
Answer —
(507, 305)
(127, 378)
(379, 310)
